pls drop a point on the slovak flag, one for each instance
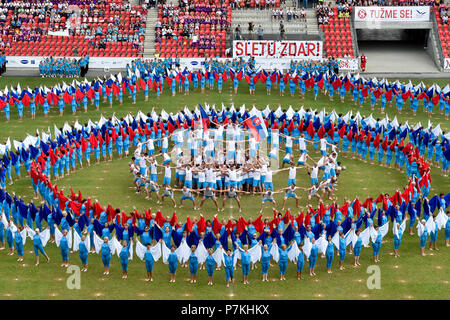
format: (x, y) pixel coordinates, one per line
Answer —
(257, 127)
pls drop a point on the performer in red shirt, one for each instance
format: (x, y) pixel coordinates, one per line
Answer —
(363, 62)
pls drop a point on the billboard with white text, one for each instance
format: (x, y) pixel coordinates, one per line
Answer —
(392, 14)
(278, 49)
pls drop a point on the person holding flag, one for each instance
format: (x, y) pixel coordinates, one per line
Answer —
(355, 94)
(83, 253)
(342, 93)
(120, 95)
(96, 99)
(203, 82)
(186, 85)
(195, 81)
(110, 97)
(133, 93)
(173, 264)
(219, 83)
(399, 102)
(211, 81)
(330, 89)
(61, 105)
(73, 105)
(282, 87)
(235, 84)
(173, 86)
(268, 85)
(373, 100)
(146, 90)
(32, 108)
(292, 86)
(251, 86)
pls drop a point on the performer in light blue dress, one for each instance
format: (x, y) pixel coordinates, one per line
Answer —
(376, 245)
(300, 261)
(313, 257)
(210, 266)
(106, 255)
(83, 252)
(173, 263)
(329, 253)
(193, 264)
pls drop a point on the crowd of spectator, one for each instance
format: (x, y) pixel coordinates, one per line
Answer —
(204, 41)
(443, 13)
(258, 3)
(26, 19)
(344, 10)
(147, 4)
(100, 21)
(289, 14)
(100, 29)
(324, 13)
(186, 19)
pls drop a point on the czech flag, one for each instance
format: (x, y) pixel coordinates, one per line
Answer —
(257, 127)
(205, 119)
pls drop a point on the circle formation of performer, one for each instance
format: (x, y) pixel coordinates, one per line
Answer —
(202, 166)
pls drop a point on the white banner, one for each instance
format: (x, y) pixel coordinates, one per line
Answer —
(348, 64)
(190, 63)
(392, 14)
(94, 62)
(278, 49)
(64, 33)
(264, 63)
(447, 64)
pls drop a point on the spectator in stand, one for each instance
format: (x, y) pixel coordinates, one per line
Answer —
(282, 31)
(260, 32)
(186, 18)
(443, 11)
(445, 19)
(251, 28)
(237, 32)
(343, 10)
(194, 40)
(303, 14)
(289, 14)
(323, 12)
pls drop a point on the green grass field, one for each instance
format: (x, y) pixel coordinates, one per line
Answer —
(408, 277)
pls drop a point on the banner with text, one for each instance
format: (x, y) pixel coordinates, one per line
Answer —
(278, 49)
(392, 14)
(348, 64)
(264, 63)
(94, 62)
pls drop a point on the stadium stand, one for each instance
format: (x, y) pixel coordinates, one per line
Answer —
(337, 30)
(195, 28)
(297, 22)
(441, 14)
(261, 4)
(98, 28)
